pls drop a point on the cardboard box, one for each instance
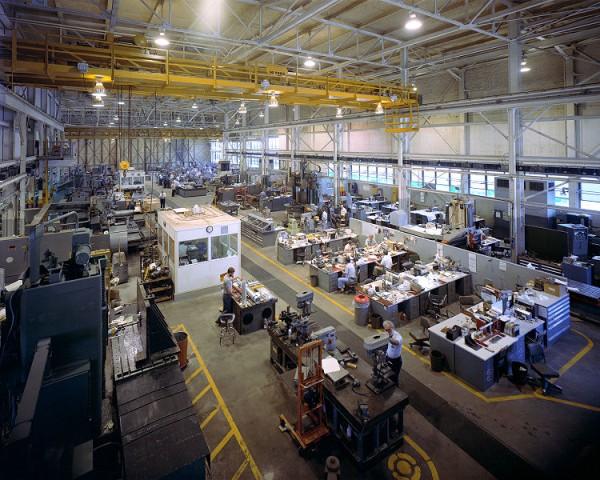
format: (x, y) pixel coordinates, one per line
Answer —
(554, 289)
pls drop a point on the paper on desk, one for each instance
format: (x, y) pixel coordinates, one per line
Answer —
(472, 262)
(330, 365)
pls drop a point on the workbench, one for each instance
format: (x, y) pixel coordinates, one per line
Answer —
(290, 253)
(480, 368)
(414, 304)
(328, 275)
(191, 191)
(366, 440)
(252, 315)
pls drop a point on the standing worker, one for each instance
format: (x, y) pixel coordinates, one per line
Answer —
(394, 350)
(228, 290)
(324, 218)
(163, 199)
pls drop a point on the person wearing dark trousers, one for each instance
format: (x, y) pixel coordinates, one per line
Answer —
(227, 290)
(394, 350)
(163, 199)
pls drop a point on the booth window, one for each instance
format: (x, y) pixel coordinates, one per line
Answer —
(223, 246)
(193, 251)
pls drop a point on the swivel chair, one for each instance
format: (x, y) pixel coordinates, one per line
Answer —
(226, 329)
(435, 305)
(537, 362)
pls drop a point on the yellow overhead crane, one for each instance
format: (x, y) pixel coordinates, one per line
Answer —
(152, 71)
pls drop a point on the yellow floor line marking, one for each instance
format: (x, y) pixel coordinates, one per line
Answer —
(424, 456)
(579, 355)
(209, 417)
(478, 394)
(201, 394)
(196, 372)
(221, 445)
(240, 470)
(571, 403)
(238, 436)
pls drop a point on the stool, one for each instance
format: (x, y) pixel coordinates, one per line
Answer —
(226, 329)
(350, 287)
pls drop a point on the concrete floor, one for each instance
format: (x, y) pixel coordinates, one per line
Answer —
(452, 431)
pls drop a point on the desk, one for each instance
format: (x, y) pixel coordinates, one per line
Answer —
(389, 303)
(370, 439)
(479, 367)
(554, 311)
(374, 204)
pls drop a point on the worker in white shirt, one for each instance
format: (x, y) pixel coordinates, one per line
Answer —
(163, 199)
(343, 213)
(349, 248)
(349, 275)
(384, 265)
(370, 241)
(394, 350)
(324, 219)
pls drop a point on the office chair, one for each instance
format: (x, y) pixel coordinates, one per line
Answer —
(537, 362)
(466, 301)
(350, 287)
(300, 256)
(421, 343)
(436, 303)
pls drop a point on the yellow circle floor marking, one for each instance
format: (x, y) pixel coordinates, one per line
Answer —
(403, 466)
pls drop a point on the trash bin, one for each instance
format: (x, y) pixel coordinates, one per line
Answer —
(376, 321)
(314, 281)
(437, 361)
(519, 373)
(361, 309)
(182, 341)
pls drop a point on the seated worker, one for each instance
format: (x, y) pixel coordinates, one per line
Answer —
(349, 248)
(370, 241)
(349, 275)
(384, 265)
(309, 225)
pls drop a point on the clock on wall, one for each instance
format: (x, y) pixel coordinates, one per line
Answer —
(209, 229)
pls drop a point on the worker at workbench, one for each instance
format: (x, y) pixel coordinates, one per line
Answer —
(370, 241)
(384, 265)
(228, 290)
(394, 350)
(349, 248)
(349, 275)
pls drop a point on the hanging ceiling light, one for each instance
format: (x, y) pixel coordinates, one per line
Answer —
(309, 62)
(162, 40)
(111, 123)
(414, 87)
(116, 117)
(98, 103)
(524, 67)
(273, 102)
(99, 90)
(242, 110)
(413, 23)
(121, 102)
(194, 105)
(339, 112)
(165, 124)
(237, 121)
(379, 109)
(178, 119)
(261, 115)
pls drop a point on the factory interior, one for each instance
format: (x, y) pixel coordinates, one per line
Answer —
(299, 239)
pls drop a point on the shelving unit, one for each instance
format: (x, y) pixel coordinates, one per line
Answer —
(161, 288)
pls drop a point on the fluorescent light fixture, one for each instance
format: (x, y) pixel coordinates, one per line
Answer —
(414, 87)
(273, 102)
(162, 40)
(178, 119)
(379, 109)
(339, 112)
(98, 103)
(242, 110)
(165, 124)
(111, 123)
(99, 90)
(237, 122)
(121, 102)
(309, 63)
(261, 115)
(525, 68)
(115, 117)
(413, 23)
(194, 105)
(201, 128)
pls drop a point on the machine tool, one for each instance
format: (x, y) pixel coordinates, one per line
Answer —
(375, 346)
(296, 325)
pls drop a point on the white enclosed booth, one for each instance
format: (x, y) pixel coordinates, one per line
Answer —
(199, 247)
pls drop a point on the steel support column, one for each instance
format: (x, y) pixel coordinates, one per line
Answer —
(402, 176)
(295, 139)
(337, 137)
(515, 145)
(20, 120)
